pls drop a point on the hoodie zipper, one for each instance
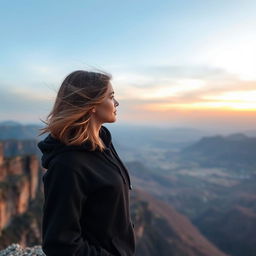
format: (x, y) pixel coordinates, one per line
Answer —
(110, 158)
(120, 161)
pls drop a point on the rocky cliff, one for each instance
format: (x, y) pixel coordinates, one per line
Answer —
(19, 185)
(161, 230)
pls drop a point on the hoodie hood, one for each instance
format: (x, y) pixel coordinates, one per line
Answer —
(50, 146)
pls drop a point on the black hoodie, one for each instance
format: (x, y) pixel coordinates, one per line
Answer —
(86, 207)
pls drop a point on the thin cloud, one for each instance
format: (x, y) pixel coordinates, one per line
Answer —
(20, 101)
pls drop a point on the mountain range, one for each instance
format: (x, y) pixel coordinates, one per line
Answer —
(207, 181)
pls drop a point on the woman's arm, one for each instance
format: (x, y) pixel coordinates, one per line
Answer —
(61, 231)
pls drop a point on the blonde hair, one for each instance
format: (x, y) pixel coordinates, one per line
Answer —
(70, 119)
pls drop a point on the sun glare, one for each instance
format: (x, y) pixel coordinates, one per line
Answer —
(236, 56)
(238, 106)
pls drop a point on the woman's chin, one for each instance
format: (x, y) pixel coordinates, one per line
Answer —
(113, 119)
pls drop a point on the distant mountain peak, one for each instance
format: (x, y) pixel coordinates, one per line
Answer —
(10, 123)
(237, 136)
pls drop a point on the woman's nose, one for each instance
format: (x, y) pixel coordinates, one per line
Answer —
(116, 103)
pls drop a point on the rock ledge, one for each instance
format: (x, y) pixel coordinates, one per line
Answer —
(17, 250)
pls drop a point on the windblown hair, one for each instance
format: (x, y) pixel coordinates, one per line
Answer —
(70, 119)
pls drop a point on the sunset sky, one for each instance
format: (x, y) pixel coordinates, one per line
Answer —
(174, 63)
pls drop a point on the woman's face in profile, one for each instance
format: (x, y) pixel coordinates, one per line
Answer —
(105, 112)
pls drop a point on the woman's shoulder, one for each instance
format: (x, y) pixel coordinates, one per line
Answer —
(70, 159)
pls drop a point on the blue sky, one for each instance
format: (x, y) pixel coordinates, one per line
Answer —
(173, 62)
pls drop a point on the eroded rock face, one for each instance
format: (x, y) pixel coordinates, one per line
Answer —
(17, 250)
(1, 154)
(19, 178)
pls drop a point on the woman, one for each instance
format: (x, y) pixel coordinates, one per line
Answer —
(86, 186)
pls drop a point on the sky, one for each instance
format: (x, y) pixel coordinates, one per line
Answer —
(174, 63)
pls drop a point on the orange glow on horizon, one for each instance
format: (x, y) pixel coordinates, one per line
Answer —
(221, 106)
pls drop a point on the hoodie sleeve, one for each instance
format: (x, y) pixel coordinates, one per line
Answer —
(61, 231)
